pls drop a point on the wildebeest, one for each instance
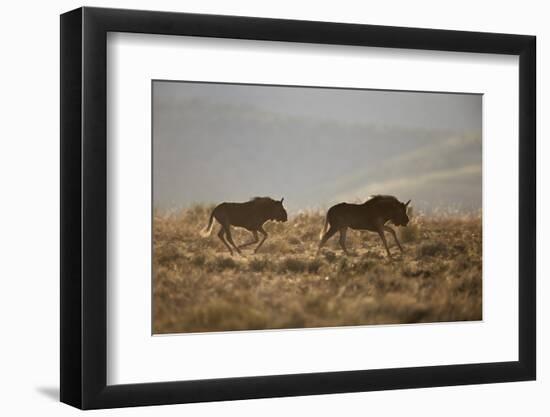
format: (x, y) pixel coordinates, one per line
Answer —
(250, 215)
(372, 215)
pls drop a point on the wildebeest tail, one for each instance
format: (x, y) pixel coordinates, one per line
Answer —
(324, 229)
(205, 232)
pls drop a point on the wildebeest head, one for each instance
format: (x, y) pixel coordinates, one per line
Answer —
(278, 211)
(399, 215)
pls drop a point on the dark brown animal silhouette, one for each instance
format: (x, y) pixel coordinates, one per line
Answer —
(250, 215)
(371, 215)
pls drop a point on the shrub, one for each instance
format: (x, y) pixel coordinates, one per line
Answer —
(275, 246)
(167, 254)
(330, 256)
(435, 248)
(342, 265)
(222, 263)
(197, 215)
(294, 240)
(198, 260)
(293, 265)
(313, 266)
(365, 265)
(259, 264)
(408, 234)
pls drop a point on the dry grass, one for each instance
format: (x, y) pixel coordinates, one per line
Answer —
(198, 287)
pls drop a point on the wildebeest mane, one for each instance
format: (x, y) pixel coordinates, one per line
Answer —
(382, 197)
(262, 199)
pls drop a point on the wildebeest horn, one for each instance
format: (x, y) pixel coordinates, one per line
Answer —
(282, 199)
(407, 203)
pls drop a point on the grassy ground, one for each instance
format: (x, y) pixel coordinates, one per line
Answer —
(198, 287)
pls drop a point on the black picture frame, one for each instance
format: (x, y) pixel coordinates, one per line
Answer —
(84, 207)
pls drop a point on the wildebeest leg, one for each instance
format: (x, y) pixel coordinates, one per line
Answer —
(230, 239)
(220, 235)
(342, 239)
(381, 233)
(389, 229)
(264, 233)
(254, 240)
(326, 237)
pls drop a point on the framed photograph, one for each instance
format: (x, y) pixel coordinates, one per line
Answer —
(257, 208)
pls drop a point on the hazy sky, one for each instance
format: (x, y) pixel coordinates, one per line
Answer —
(314, 146)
